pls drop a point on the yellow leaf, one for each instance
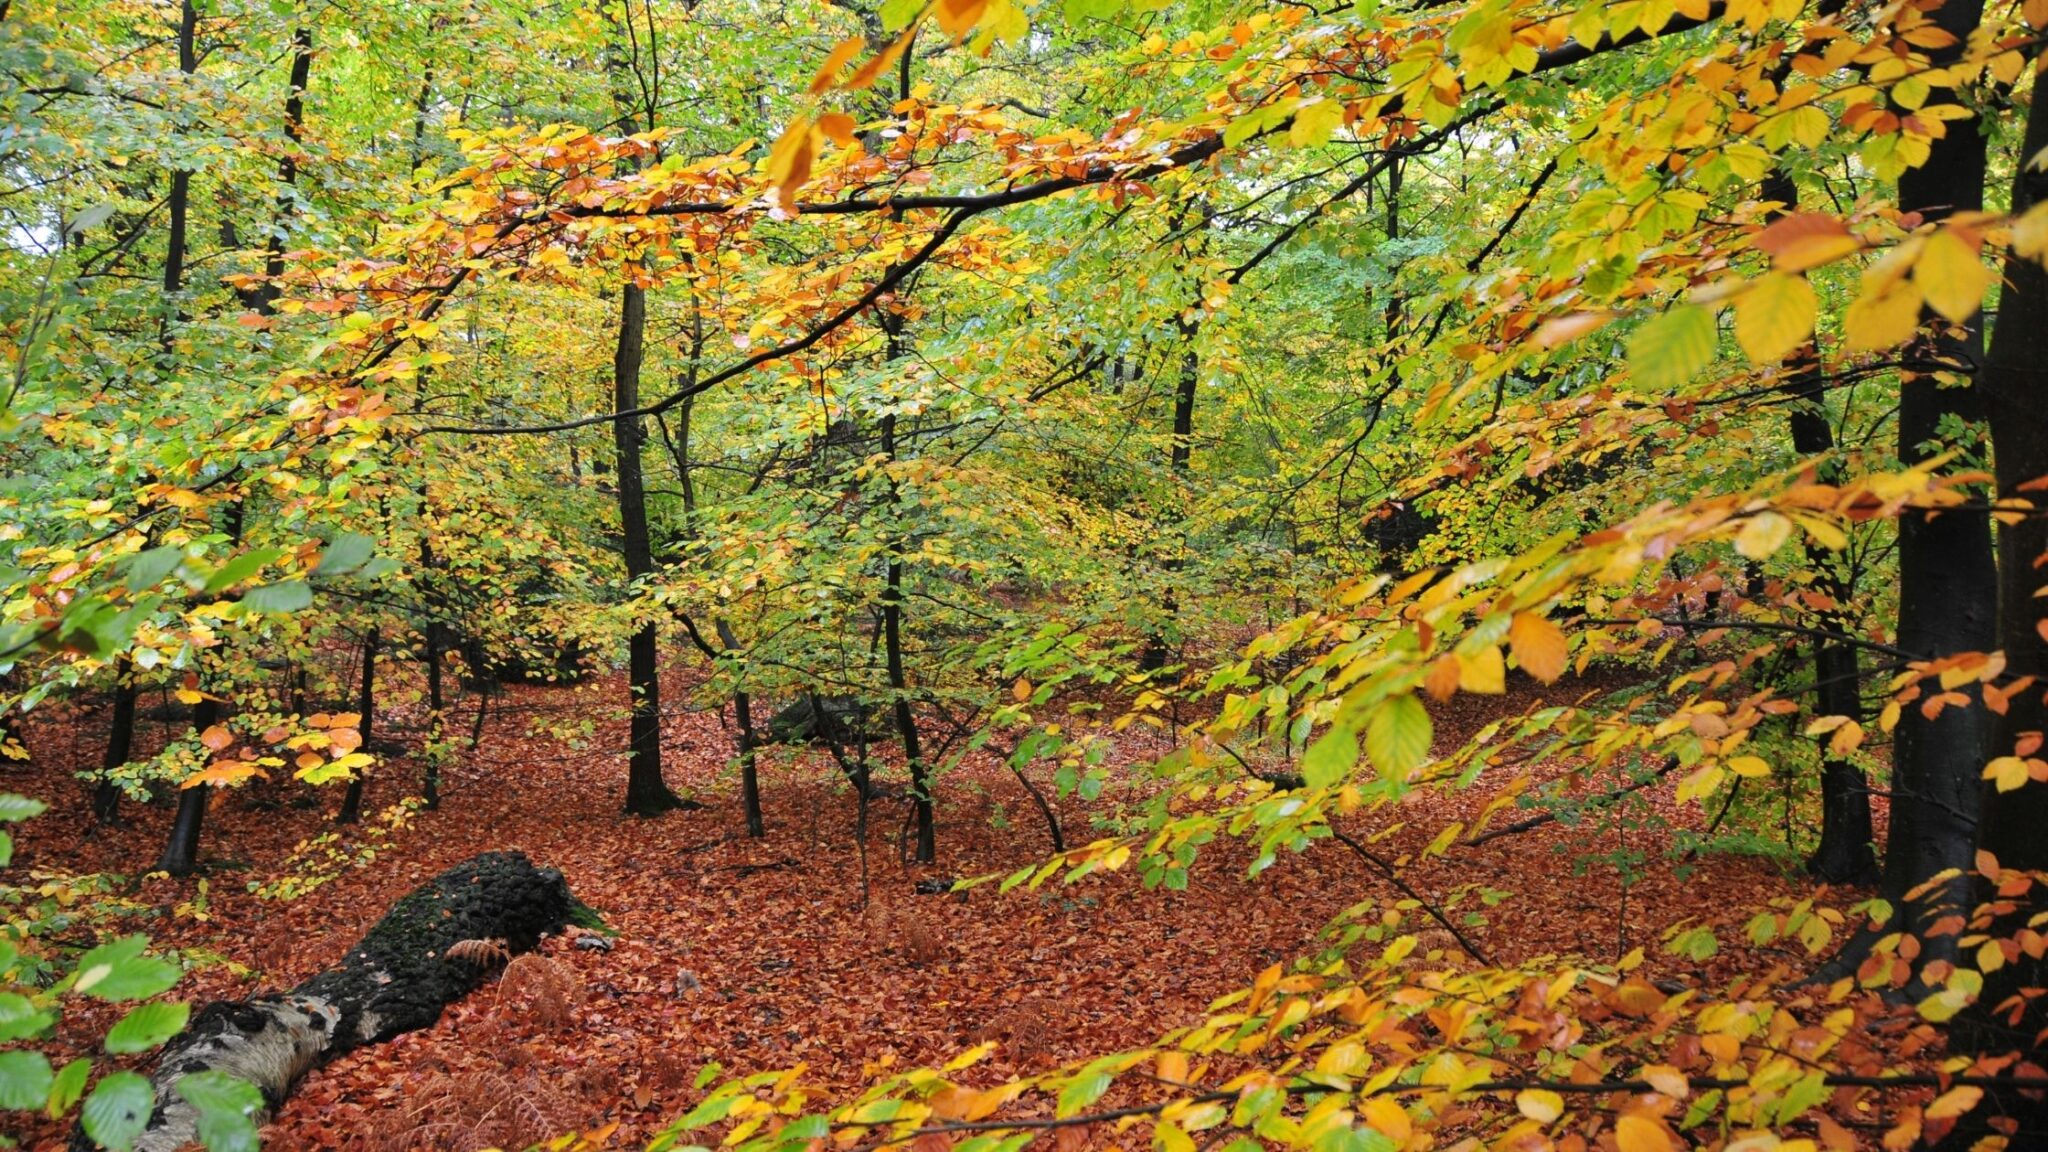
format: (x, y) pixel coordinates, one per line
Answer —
(2010, 772)
(1314, 122)
(1762, 535)
(1666, 1079)
(1882, 318)
(1751, 766)
(1665, 352)
(1539, 646)
(1539, 1104)
(1483, 671)
(789, 161)
(1954, 1102)
(1385, 1116)
(2030, 233)
(1775, 317)
(188, 696)
(1951, 276)
(1633, 1133)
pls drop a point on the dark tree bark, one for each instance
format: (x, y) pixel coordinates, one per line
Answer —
(1948, 582)
(396, 980)
(1846, 853)
(743, 714)
(899, 680)
(2013, 825)
(106, 799)
(647, 794)
(366, 719)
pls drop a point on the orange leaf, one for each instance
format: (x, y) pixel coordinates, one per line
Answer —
(837, 126)
(216, 738)
(1539, 646)
(1805, 240)
(842, 54)
(879, 63)
(1633, 1133)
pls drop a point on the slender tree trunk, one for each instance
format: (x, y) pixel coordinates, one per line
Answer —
(106, 799)
(899, 681)
(1948, 582)
(1158, 651)
(181, 852)
(743, 714)
(647, 794)
(437, 704)
(366, 717)
(1846, 853)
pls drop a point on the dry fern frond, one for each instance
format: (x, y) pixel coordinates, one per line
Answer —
(474, 1111)
(481, 953)
(549, 991)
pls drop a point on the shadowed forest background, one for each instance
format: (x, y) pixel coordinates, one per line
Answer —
(1365, 577)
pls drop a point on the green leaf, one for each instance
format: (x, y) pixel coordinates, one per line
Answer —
(148, 569)
(1397, 737)
(1668, 350)
(284, 596)
(118, 1110)
(14, 809)
(6, 849)
(241, 568)
(349, 552)
(119, 971)
(20, 1018)
(146, 1026)
(1082, 1091)
(25, 1079)
(1331, 758)
(227, 1108)
(68, 1087)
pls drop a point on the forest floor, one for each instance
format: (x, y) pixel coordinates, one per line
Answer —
(762, 954)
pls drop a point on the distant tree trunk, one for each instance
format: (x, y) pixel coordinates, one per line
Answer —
(1158, 652)
(1845, 854)
(1948, 581)
(2013, 825)
(437, 713)
(743, 714)
(181, 852)
(396, 980)
(366, 716)
(899, 681)
(106, 799)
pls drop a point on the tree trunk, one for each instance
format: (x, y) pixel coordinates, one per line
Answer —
(1948, 582)
(1845, 854)
(899, 681)
(647, 794)
(366, 716)
(743, 714)
(2012, 823)
(396, 980)
(181, 852)
(106, 799)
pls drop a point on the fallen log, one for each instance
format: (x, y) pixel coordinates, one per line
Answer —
(397, 979)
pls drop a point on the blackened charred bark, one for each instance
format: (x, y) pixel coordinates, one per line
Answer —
(1948, 581)
(396, 980)
(366, 718)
